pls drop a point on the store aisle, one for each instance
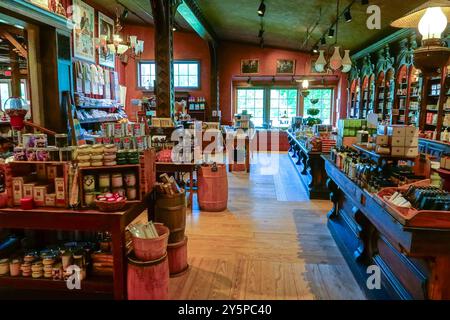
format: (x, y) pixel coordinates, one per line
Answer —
(271, 243)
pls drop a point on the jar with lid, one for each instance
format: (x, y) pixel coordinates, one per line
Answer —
(117, 180)
(131, 194)
(130, 179)
(4, 267)
(53, 153)
(19, 154)
(61, 140)
(104, 182)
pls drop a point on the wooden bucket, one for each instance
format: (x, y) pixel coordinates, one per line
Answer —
(213, 188)
(151, 249)
(171, 211)
(177, 255)
(148, 280)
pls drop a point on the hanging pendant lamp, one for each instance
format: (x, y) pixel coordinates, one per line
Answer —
(346, 62)
(336, 59)
(321, 62)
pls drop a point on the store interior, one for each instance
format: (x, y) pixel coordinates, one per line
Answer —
(225, 150)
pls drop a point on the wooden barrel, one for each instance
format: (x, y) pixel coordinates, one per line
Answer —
(213, 188)
(171, 211)
(177, 255)
(148, 280)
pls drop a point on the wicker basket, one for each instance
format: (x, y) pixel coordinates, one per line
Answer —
(107, 206)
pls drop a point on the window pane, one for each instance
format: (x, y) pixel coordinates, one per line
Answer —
(324, 104)
(186, 74)
(252, 100)
(283, 106)
(147, 73)
(4, 93)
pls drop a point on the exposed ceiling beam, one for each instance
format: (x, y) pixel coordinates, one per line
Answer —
(191, 12)
(22, 51)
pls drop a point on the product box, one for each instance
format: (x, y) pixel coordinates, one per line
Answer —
(50, 200)
(28, 189)
(41, 172)
(382, 140)
(411, 141)
(17, 184)
(396, 131)
(398, 151)
(397, 141)
(411, 131)
(39, 193)
(60, 189)
(52, 172)
(412, 152)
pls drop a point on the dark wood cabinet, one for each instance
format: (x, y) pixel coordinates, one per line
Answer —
(412, 257)
(310, 168)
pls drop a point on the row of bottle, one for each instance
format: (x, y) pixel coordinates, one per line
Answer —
(364, 172)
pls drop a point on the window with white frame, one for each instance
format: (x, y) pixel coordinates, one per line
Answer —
(186, 74)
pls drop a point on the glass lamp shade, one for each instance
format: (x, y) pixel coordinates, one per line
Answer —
(133, 41)
(15, 103)
(432, 24)
(122, 48)
(321, 62)
(305, 84)
(336, 59)
(346, 62)
(117, 39)
(140, 45)
(112, 48)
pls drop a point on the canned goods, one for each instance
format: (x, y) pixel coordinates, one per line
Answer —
(130, 179)
(89, 183)
(42, 154)
(19, 154)
(117, 180)
(104, 180)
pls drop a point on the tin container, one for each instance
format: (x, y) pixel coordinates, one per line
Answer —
(19, 154)
(118, 142)
(4, 267)
(131, 193)
(42, 154)
(126, 143)
(89, 199)
(130, 179)
(14, 268)
(28, 140)
(116, 180)
(31, 154)
(89, 183)
(104, 180)
(41, 140)
(118, 130)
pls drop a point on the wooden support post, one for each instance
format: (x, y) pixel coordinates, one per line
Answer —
(15, 72)
(214, 104)
(163, 19)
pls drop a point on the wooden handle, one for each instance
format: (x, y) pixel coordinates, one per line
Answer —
(40, 128)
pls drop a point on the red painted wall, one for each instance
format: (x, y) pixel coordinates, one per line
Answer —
(230, 56)
(187, 46)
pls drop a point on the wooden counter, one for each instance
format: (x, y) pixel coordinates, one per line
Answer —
(413, 255)
(310, 168)
(81, 220)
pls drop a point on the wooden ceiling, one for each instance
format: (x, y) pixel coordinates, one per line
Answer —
(285, 21)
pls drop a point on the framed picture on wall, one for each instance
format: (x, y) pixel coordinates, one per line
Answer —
(105, 30)
(250, 66)
(286, 66)
(83, 32)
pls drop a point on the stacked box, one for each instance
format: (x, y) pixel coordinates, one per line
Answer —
(60, 190)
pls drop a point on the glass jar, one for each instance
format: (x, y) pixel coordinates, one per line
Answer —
(19, 154)
(130, 179)
(89, 199)
(4, 267)
(61, 140)
(42, 154)
(117, 180)
(53, 153)
(104, 180)
(131, 193)
(65, 154)
(14, 268)
(31, 154)
(89, 183)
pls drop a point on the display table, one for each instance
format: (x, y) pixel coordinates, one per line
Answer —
(310, 168)
(412, 252)
(170, 167)
(235, 141)
(71, 220)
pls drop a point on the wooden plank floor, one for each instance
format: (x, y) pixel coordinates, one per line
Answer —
(271, 243)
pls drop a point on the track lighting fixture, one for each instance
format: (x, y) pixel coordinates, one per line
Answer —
(364, 2)
(261, 33)
(323, 41)
(348, 15)
(262, 9)
(316, 49)
(331, 33)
